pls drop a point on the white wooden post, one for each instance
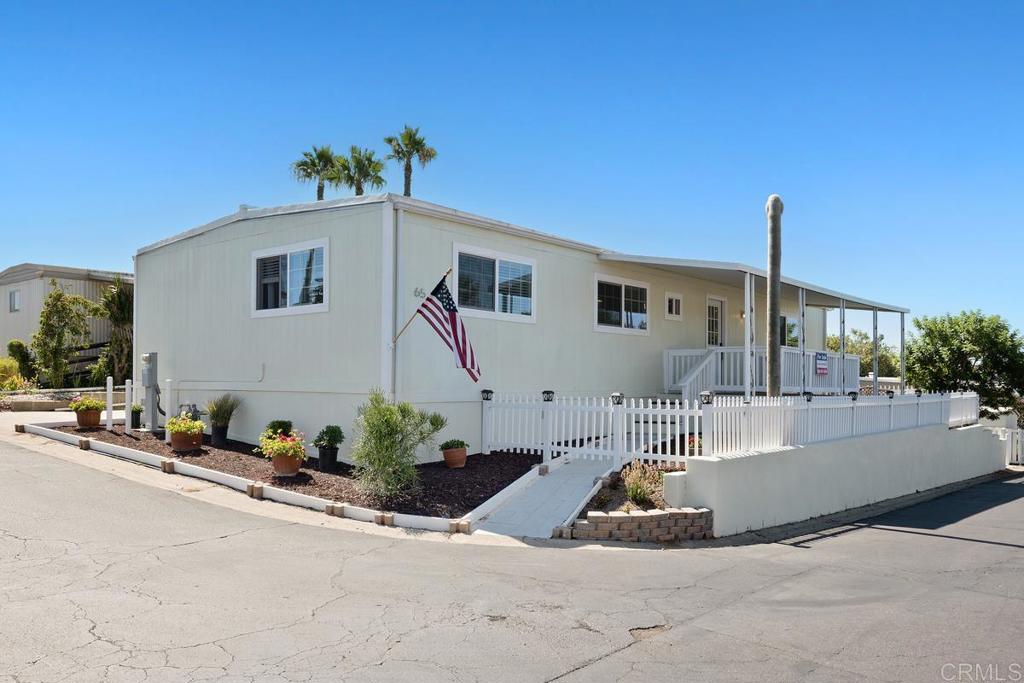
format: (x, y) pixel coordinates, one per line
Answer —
(903, 354)
(707, 431)
(168, 410)
(110, 404)
(874, 352)
(842, 344)
(129, 399)
(747, 322)
(919, 409)
(803, 340)
(486, 418)
(547, 423)
(619, 426)
(890, 412)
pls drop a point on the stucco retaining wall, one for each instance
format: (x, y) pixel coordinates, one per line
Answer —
(756, 490)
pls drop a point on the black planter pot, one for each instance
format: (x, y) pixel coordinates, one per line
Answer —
(136, 420)
(328, 460)
(219, 436)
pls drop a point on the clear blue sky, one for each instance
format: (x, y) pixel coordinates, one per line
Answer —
(893, 131)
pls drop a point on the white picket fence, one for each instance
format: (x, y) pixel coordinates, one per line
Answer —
(669, 431)
(1014, 445)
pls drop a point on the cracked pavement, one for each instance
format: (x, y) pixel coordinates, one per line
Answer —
(105, 578)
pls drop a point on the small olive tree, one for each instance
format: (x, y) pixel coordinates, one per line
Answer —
(63, 332)
(385, 450)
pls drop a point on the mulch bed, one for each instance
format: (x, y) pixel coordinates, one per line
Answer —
(613, 498)
(443, 492)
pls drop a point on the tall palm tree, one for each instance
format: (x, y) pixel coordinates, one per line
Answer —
(407, 146)
(360, 169)
(316, 165)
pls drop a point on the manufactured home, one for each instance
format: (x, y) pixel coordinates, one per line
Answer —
(24, 287)
(295, 309)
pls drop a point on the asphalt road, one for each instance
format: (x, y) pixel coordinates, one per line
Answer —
(105, 578)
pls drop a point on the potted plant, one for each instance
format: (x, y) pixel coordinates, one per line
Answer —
(186, 433)
(454, 451)
(279, 426)
(327, 442)
(87, 410)
(285, 451)
(220, 410)
(136, 422)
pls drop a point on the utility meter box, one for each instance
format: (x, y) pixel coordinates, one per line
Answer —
(150, 378)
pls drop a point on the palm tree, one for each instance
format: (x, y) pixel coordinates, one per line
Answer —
(317, 165)
(408, 146)
(361, 168)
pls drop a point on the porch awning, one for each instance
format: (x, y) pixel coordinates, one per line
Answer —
(732, 274)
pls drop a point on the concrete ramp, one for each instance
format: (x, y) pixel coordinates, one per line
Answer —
(536, 510)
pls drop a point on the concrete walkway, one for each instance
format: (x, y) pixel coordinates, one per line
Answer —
(536, 510)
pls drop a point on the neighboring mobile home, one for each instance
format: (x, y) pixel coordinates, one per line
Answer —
(24, 287)
(294, 309)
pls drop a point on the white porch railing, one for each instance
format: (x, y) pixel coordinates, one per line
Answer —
(720, 369)
(672, 431)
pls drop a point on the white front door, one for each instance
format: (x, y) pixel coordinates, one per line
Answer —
(716, 335)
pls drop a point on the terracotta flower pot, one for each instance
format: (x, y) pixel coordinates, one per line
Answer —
(88, 418)
(455, 457)
(182, 442)
(285, 465)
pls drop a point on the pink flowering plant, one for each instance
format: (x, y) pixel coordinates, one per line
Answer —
(289, 444)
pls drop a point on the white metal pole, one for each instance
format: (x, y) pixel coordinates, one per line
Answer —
(747, 321)
(903, 354)
(803, 342)
(842, 342)
(110, 404)
(874, 352)
(129, 400)
(169, 384)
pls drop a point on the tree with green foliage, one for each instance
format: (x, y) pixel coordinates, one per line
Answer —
(117, 305)
(407, 146)
(858, 343)
(17, 350)
(969, 351)
(360, 169)
(318, 164)
(63, 332)
(385, 450)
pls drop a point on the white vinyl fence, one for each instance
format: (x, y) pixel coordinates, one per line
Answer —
(669, 431)
(1014, 445)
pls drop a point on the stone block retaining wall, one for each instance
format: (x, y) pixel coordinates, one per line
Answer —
(661, 526)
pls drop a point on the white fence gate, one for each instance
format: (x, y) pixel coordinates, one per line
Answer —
(669, 431)
(1014, 445)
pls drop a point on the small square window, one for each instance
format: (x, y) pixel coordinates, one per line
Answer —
(14, 299)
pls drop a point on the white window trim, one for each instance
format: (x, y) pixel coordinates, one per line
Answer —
(603, 277)
(668, 297)
(468, 312)
(283, 250)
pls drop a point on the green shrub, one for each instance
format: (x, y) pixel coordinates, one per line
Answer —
(453, 443)
(136, 407)
(279, 426)
(17, 350)
(385, 452)
(85, 403)
(8, 370)
(222, 408)
(183, 424)
(330, 436)
(100, 370)
(288, 444)
(642, 482)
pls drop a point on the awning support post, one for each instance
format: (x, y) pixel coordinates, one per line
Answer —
(874, 352)
(842, 343)
(803, 341)
(747, 347)
(903, 354)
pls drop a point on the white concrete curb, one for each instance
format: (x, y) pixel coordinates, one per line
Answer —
(190, 470)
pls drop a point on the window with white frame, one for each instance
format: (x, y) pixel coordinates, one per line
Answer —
(620, 305)
(673, 306)
(490, 284)
(290, 279)
(14, 300)
(789, 330)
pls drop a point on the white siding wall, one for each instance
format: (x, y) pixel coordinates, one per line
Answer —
(194, 309)
(23, 324)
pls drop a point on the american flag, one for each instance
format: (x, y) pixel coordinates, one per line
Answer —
(439, 310)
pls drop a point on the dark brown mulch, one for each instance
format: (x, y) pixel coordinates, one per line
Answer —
(443, 492)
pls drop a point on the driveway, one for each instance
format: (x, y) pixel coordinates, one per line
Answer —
(106, 576)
